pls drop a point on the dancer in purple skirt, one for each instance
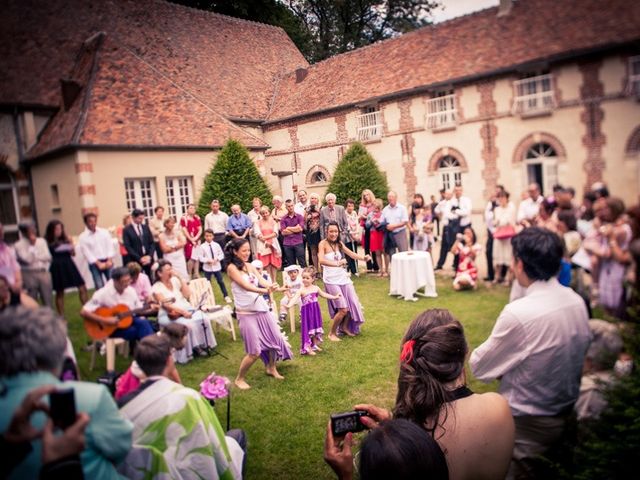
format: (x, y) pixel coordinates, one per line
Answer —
(346, 310)
(261, 334)
(310, 317)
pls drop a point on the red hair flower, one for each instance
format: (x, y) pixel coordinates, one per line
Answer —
(407, 351)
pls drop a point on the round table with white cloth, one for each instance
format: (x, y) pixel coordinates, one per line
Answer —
(411, 271)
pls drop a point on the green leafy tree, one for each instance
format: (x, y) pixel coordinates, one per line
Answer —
(357, 171)
(233, 179)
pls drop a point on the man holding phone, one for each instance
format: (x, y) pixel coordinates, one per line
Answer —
(32, 346)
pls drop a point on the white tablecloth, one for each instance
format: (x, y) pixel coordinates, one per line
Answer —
(411, 271)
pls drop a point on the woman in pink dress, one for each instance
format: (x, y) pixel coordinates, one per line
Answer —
(192, 230)
(265, 231)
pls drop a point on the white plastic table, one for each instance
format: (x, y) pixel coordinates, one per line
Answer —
(411, 271)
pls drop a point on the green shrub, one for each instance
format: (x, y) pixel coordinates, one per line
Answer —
(233, 179)
(357, 171)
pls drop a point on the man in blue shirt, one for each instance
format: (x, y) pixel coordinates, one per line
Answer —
(396, 217)
(238, 225)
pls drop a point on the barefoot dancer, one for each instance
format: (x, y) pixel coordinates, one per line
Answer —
(260, 332)
(346, 310)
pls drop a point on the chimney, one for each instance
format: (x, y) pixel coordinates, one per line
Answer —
(505, 7)
(301, 74)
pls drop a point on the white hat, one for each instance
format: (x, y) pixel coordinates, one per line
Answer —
(291, 268)
(257, 264)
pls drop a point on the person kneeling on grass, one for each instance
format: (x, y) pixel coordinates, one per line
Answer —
(176, 433)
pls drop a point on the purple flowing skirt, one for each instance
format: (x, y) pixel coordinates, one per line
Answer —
(348, 300)
(262, 335)
(310, 326)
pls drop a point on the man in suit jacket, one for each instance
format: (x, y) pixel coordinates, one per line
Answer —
(334, 213)
(138, 240)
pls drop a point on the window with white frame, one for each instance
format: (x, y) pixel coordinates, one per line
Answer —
(441, 111)
(179, 194)
(633, 86)
(534, 95)
(370, 124)
(541, 166)
(450, 172)
(141, 194)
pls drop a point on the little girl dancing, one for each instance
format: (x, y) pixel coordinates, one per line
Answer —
(310, 317)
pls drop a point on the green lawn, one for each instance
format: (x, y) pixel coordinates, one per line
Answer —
(285, 420)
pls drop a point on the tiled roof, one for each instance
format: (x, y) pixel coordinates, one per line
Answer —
(125, 102)
(468, 46)
(226, 64)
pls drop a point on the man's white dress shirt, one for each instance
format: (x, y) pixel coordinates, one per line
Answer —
(96, 245)
(529, 208)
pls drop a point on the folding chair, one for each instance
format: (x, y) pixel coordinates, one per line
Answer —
(202, 298)
(110, 346)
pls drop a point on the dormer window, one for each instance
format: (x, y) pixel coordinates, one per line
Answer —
(534, 95)
(633, 86)
(370, 124)
(442, 111)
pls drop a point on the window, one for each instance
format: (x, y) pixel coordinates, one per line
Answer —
(533, 95)
(441, 111)
(8, 205)
(55, 197)
(179, 194)
(370, 124)
(141, 193)
(318, 177)
(450, 172)
(541, 166)
(633, 86)
(317, 174)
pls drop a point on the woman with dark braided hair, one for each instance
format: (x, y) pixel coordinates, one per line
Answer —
(474, 431)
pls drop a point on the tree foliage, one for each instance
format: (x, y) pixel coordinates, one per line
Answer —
(357, 171)
(233, 179)
(323, 28)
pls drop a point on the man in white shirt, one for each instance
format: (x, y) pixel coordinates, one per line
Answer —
(397, 218)
(97, 247)
(536, 349)
(254, 216)
(117, 291)
(210, 258)
(450, 226)
(34, 259)
(488, 220)
(301, 205)
(529, 208)
(216, 221)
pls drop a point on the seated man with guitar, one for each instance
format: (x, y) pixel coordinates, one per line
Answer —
(113, 309)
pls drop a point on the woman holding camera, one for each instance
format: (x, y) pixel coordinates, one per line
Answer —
(474, 431)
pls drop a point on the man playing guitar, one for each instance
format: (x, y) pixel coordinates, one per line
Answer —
(117, 291)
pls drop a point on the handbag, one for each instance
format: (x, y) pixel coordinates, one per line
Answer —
(504, 232)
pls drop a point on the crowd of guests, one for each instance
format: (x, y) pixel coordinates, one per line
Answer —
(540, 344)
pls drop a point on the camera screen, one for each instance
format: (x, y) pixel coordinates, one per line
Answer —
(346, 424)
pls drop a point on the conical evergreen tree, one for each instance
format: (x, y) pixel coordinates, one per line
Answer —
(357, 171)
(233, 179)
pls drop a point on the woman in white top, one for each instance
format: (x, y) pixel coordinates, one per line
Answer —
(260, 332)
(171, 285)
(172, 244)
(504, 215)
(346, 311)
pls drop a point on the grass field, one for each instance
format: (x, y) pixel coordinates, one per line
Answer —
(285, 420)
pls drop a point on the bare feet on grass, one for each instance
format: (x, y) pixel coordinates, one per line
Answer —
(334, 338)
(274, 373)
(241, 384)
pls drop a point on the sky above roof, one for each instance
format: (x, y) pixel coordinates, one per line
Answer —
(455, 8)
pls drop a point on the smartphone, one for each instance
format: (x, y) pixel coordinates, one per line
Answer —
(62, 408)
(341, 423)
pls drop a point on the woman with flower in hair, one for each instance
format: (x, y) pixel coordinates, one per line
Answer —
(474, 431)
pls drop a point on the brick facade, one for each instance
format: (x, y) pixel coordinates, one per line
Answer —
(488, 132)
(591, 93)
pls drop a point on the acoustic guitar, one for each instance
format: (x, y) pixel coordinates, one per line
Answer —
(100, 331)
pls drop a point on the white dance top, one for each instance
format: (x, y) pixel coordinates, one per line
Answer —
(335, 275)
(246, 300)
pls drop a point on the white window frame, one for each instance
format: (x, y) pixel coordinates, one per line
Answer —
(442, 112)
(548, 159)
(633, 84)
(451, 174)
(140, 193)
(179, 194)
(370, 125)
(534, 95)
